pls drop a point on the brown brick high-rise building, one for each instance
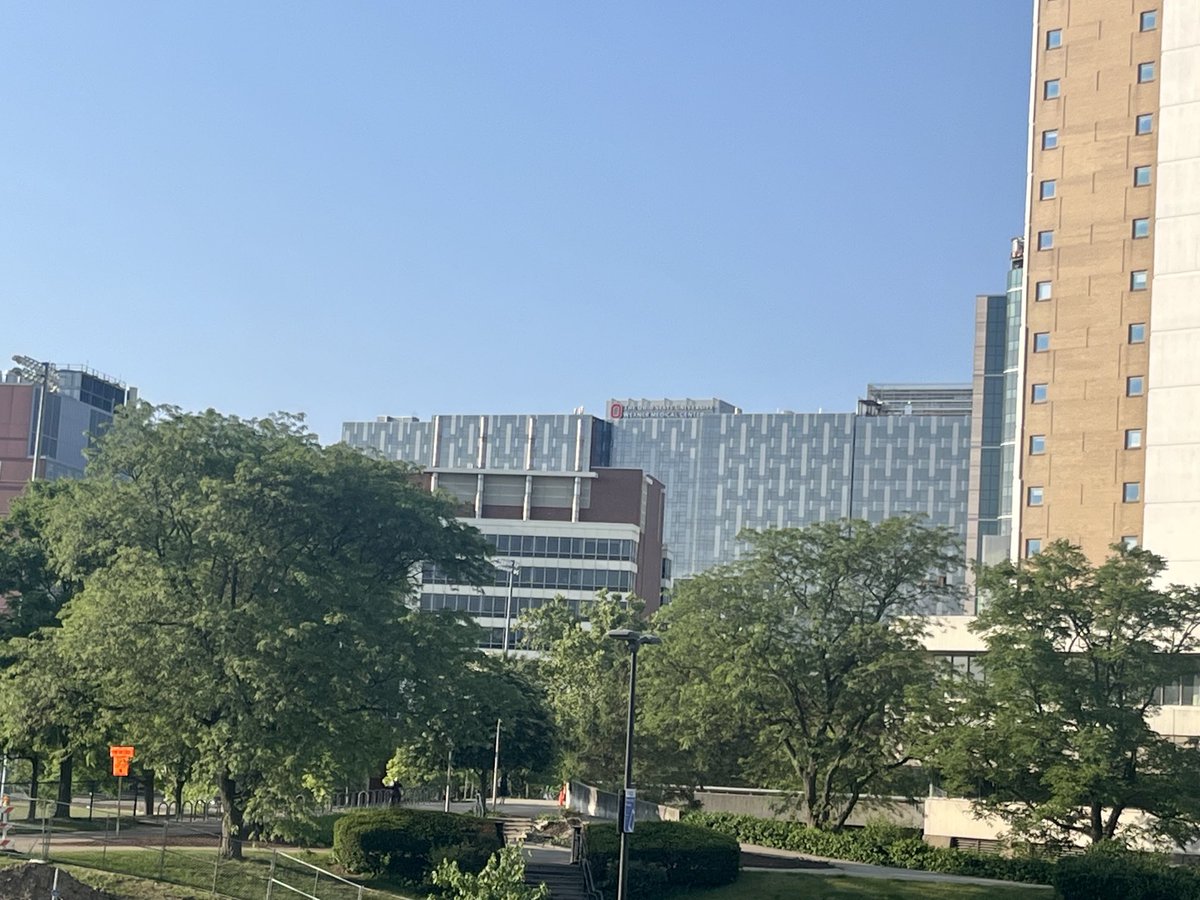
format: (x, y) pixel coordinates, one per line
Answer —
(1109, 404)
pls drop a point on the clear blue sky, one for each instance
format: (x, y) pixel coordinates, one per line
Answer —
(354, 208)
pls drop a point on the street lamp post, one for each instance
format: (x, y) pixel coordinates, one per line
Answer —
(513, 570)
(635, 640)
(44, 372)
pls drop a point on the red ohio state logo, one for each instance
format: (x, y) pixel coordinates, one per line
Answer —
(616, 411)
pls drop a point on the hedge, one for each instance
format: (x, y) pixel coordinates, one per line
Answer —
(1121, 875)
(881, 845)
(409, 843)
(662, 854)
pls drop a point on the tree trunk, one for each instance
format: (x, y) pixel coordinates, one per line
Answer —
(849, 808)
(232, 816)
(66, 772)
(1096, 824)
(149, 792)
(810, 796)
(35, 773)
(179, 783)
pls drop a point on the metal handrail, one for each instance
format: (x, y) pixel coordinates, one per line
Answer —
(589, 880)
(272, 880)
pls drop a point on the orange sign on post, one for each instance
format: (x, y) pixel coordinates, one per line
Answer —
(121, 756)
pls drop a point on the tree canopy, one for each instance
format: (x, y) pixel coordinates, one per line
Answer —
(463, 727)
(792, 665)
(245, 599)
(1057, 739)
(586, 679)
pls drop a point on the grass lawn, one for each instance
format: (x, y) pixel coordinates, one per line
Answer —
(789, 886)
(191, 875)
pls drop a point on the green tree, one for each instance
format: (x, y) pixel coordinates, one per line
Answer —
(488, 689)
(793, 664)
(586, 679)
(503, 878)
(41, 715)
(33, 588)
(1056, 739)
(248, 592)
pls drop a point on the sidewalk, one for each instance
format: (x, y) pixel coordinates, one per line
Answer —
(863, 870)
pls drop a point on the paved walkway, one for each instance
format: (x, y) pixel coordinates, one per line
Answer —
(862, 870)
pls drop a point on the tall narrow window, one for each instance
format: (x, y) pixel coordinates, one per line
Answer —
(1053, 88)
(1141, 228)
(1033, 546)
(1037, 444)
(1145, 73)
(1138, 280)
(1141, 176)
(1054, 38)
(1145, 123)
(1129, 541)
(1048, 189)
(1137, 333)
(1050, 139)
(1135, 386)
(1149, 21)
(1046, 240)
(1041, 342)
(1039, 393)
(1035, 496)
(1133, 439)
(1043, 291)
(1131, 491)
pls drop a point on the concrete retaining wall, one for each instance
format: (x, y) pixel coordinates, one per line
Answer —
(589, 801)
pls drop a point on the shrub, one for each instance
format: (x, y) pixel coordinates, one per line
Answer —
(314, 832)
(401, 842)
(878, 844)
(503, 878)
(1121, 875)
(660, 854)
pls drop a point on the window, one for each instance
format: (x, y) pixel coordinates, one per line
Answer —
(1042, 291)
(1137, 333)
(1037, 444)
(1129, 541)
(1145, 124)
(1141, 228)
(1133, 439)
(1033, 546)
(1149, 22)
(1145, 73)
(1039, 393)
(1054, 37)
(1041, 342)
(1131, 492)
(1141, 176)
(1050, 139)
(1035, 496)
(1135, 386)
(1138, 280)
(1046, 240)
(1048, 189)
(1052, 88)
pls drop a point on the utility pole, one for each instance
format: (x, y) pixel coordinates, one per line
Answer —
(496, 768)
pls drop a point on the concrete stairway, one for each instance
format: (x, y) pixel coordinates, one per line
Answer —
(514, 829)
(565, 882)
